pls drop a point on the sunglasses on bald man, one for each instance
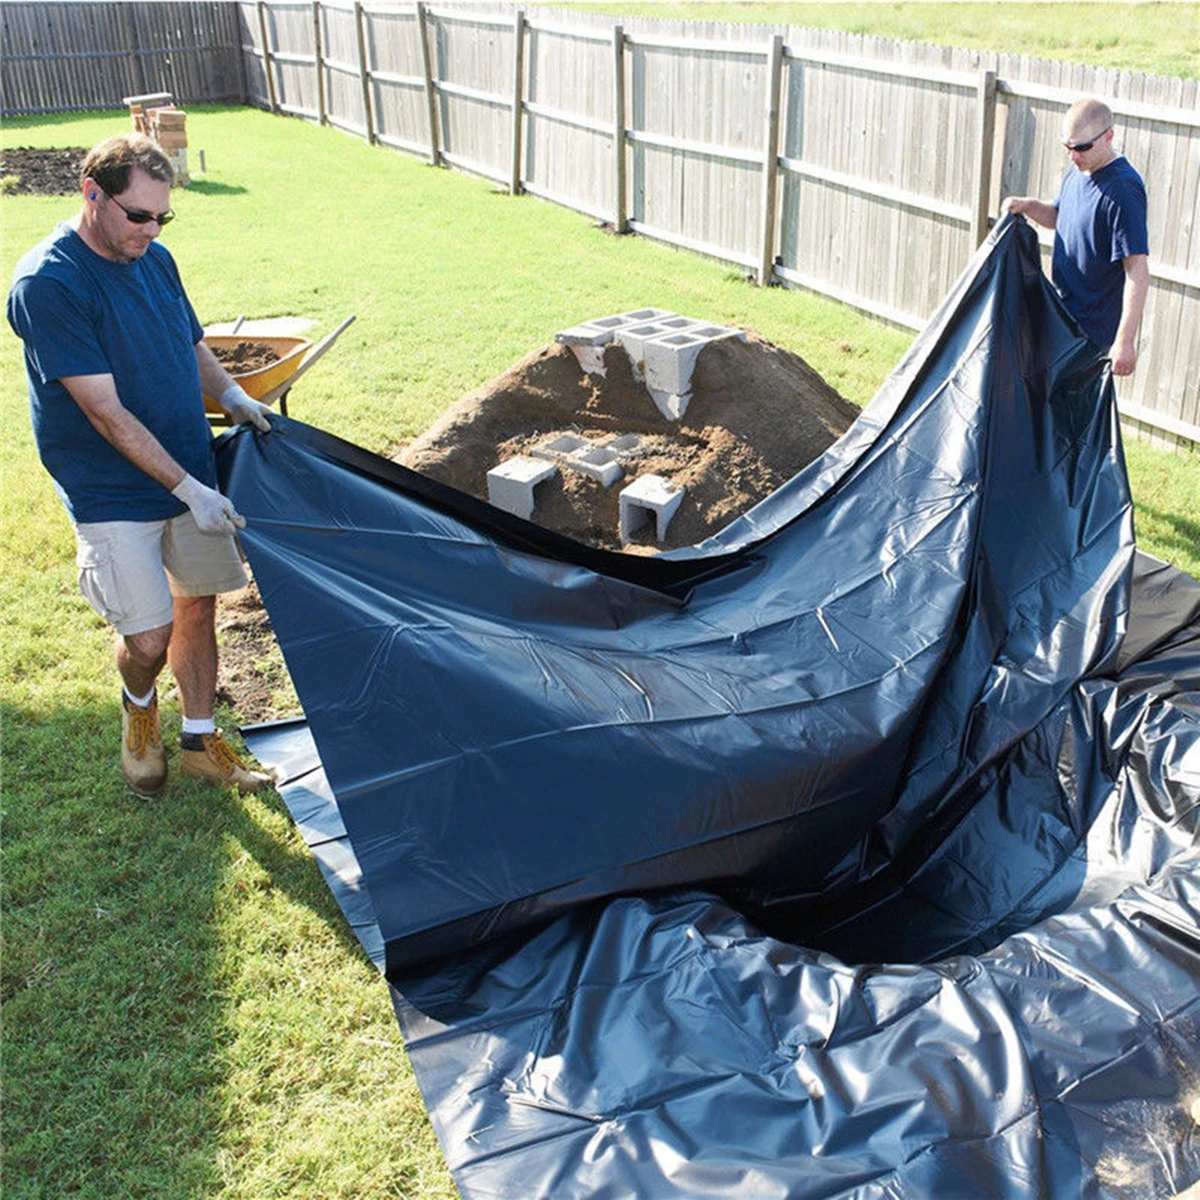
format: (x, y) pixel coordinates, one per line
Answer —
(1084, 147)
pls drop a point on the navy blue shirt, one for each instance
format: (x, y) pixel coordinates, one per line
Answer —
(81, 314)
(1101, 220)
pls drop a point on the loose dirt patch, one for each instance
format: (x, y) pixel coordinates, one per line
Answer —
(32, 172)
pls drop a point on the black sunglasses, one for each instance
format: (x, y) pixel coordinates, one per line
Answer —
(1084, 147)
(139, 216)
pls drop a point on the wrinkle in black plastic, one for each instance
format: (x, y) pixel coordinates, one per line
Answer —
(915, 712)
(509, 733)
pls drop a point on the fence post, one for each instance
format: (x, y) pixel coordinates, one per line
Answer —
(985, 133)
(620, 216)
(364, 72)
(268, 71)
(129, 20)
(318, 61)
(243, 77)
(514, 186)
(435, 153)
(766, 265)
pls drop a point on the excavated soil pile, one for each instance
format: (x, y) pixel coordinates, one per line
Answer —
(758, 414)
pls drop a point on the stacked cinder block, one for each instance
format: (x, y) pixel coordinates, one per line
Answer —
(587, 341)
(662, 348)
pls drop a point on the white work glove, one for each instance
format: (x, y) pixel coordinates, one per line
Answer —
(213, 512)
(242, 409)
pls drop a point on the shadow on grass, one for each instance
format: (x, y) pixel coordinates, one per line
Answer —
(119, 985)
(1176, 534)
(210, 187)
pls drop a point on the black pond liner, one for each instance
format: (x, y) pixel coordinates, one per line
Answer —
(852, 852)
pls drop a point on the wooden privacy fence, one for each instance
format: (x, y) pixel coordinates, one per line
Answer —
(861, 168)
(66, 57)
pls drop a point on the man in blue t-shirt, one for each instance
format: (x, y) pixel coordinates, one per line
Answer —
(117, 371)
(1100, 263)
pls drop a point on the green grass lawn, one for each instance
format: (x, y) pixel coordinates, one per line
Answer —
(186, 1013)
(1159, 39)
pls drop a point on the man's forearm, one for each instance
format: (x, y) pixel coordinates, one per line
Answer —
(97, 396)
(1037, 210)
(1133, 305)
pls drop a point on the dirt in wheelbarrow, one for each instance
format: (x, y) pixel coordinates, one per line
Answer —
(757, 415)
(245, 356)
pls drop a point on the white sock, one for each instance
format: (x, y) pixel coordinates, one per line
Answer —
(140, 701)
(199, 725)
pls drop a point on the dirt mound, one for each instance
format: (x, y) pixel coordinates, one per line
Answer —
(26, 171)
(758, 414)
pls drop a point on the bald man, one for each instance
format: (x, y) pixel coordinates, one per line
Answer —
(1100, 264)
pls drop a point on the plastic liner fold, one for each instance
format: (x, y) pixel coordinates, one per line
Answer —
(849, 853)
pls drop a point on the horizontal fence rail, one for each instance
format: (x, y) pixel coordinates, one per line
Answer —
(864, 169)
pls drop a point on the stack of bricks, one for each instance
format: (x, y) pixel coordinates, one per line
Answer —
(168, 127)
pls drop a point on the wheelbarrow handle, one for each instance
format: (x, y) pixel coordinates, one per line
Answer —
(316, 352)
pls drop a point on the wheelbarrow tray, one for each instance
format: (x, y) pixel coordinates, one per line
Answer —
(259, 382)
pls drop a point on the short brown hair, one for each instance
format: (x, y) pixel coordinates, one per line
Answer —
(111, 162)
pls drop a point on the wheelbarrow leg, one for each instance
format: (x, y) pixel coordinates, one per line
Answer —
(283, 403)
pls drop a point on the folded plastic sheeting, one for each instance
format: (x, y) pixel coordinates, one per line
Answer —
(615, 827)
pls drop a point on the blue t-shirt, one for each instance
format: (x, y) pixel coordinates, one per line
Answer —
(80, 314)
(1101, 220)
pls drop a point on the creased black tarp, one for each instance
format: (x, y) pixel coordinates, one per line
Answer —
(879, 715)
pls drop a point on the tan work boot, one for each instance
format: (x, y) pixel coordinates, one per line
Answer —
(210, 757)
(143, 759)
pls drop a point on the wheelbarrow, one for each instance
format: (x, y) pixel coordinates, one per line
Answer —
(271, 382)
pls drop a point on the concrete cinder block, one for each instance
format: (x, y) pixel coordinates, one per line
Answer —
(556, 447)
(662, 347)
(671, 358)
(645, 495)
(599, 331)
(672, 405)
(579, 454)
(590, 333)
(670, 361)
(511, 484)
(637, 315)
(589, 338)
(627, 445)
(633, 340)
(601, 464)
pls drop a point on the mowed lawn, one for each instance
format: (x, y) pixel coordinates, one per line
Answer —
(185, 1010)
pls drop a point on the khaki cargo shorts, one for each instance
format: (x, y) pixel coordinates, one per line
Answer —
(129, 571)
